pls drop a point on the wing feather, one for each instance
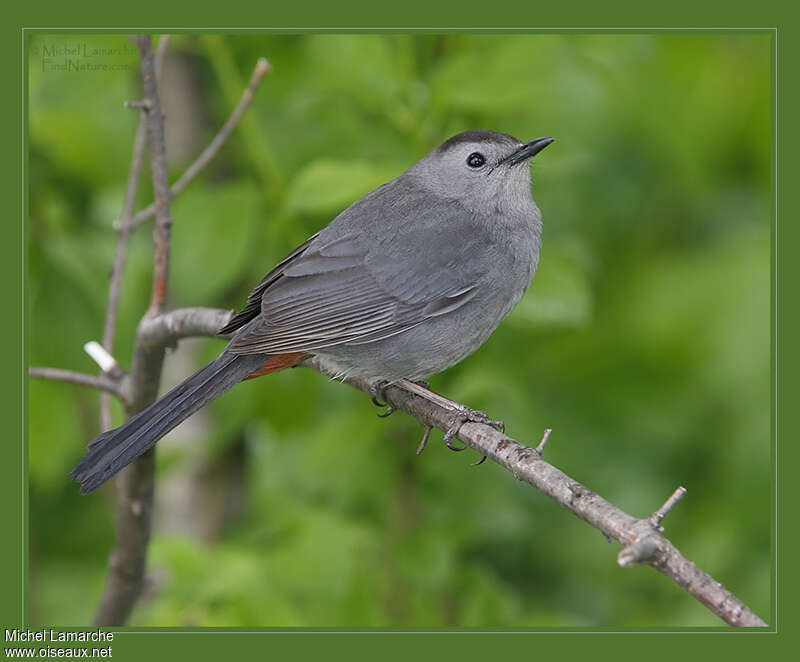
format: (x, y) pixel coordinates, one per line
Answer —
(337, 288)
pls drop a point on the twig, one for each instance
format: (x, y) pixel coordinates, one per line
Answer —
(121, 251)
(158, 166)
(426, 433)
(657, 517)
(543, 442)
(135, 485)
(527, 465)
(139, 104)
(262, 68)
(92, 381)
(166, 329)
(100, 355)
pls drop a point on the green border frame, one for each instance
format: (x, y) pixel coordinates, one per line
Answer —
(134, 644)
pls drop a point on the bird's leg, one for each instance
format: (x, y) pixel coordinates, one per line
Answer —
(459, 418)
(474, 416)
(462, 414)
(377, 394)
(466, 415)
(376, 391)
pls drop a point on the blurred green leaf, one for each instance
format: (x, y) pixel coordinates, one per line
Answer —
(560, 295)
(326, 186)
(202, 269)
(360, 66)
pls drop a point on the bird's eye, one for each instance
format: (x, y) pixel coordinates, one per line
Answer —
(475, 160)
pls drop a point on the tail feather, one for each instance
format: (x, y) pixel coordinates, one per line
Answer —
(114, 449)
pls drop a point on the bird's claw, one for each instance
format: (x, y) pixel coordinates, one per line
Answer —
(376, 391)
(473, 416)
(482, 417)
(388, 412)
(455, 425)
(466, 415)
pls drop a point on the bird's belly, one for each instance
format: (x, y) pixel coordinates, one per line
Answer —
(425, 349)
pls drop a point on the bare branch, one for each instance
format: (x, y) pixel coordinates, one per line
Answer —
(158, 166)
(135, 485)
(127, 562)
(643, 543)
(166, 329)
(121, 251)
(543, 442)
(426, 433)
(139, 104)
(92, 381)
(657, 517)
(100, 355)
(262, 68)
(120, 255)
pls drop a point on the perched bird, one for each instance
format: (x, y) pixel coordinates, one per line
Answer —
(404, 283)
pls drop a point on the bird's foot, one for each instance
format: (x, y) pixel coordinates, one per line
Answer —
(377, 392)
(467, 415)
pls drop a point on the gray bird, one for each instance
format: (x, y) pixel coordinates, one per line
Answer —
(404, 283)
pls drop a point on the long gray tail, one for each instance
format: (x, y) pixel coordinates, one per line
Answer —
(115, 449)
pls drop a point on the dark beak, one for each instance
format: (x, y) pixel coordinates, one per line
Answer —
(528, 150)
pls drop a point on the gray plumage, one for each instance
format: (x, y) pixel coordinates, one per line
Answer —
(404, 283)
(414, 276)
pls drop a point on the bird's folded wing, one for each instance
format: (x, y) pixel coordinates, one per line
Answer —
(253, 306)
(350, 290)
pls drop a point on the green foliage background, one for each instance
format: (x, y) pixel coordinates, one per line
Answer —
(644, 341)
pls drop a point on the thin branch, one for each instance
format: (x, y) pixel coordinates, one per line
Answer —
(657, 517)
(120, 255)
(138, 104)
(135, 484)
(262, 68)
(100, 355)
(121, 251)
(166, 329)
(92, 381)
(137, 159)
(527, 465)
(543, 442)
(158, 166)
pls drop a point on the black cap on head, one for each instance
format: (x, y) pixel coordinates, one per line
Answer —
(477, 136)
